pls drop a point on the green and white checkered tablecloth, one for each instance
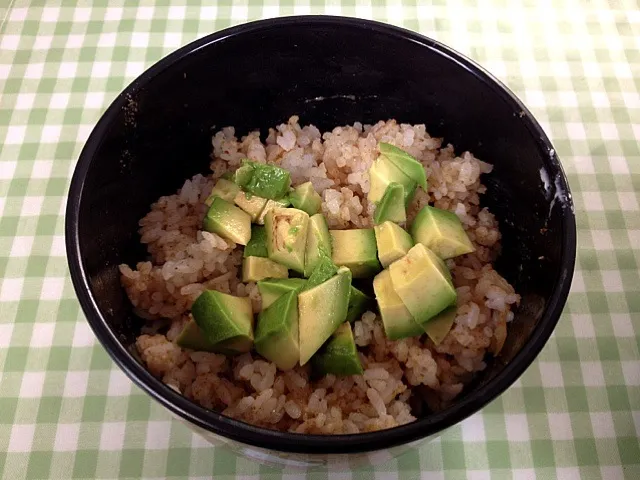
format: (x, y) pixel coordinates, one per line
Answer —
(66, 410)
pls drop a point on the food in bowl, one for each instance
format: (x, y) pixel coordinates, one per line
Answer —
(323, 283)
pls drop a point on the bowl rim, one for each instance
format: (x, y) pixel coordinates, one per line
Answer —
(245, 433)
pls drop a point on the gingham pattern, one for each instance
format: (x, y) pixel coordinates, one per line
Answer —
(67, 411)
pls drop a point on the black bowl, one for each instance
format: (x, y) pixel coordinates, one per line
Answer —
(330, 71)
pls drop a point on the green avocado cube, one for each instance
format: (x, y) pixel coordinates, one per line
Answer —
(397, 320)
(381, 174)
(423, 282)
(322, 310)
(192, 337)
(287, 230)
(244, 173)
(325, 269)
(442, 232)
(271, 289)
(223, 317)
(259, 268)
(228, 221)
(356, 249)
(304, 197)
(257, 245)
(411, 167)
(277, 332)
(393, 242)
(225, 189)
(318, 243)
(358, 304)
(267, 181)
(339, 356)
(391, 207)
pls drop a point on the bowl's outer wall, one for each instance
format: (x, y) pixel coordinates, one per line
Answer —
(159, 132)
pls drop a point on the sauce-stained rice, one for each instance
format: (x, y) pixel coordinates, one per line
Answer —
(184, 261)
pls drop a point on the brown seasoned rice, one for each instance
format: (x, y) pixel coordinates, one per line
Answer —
(184, 260)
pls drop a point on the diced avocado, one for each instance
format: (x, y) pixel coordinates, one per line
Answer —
(439, 326)
(287, 236)
(277, 332)
(325, 269)
(442, 232)
(358, 304)
(321, 311)
(382, 173)
(419, 281)
(259, 268)
(391, 206)
(318, 242)
(257, 245)
(392, 241)
(244, 173)
(267, 181)
(228, 221)
(271, 204)
(224, 318)
(234, 346)
(250, 203)
(224, 189)
(397, 320)
(339, 356)
(411, 167)
(356, 249)
(304, 197)
(193, 337)
(272, 289)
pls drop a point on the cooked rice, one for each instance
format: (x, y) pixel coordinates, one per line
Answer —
(183, 261)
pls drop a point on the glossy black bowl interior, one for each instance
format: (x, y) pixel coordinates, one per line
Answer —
(330, 71)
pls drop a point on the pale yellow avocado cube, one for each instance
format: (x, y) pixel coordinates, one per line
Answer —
(423, 282)
(252, 204)
(224, 189)
(442, 232)
(393, 242)
(439, 326)
(396, 319)
(255, 269)
(270, 205)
